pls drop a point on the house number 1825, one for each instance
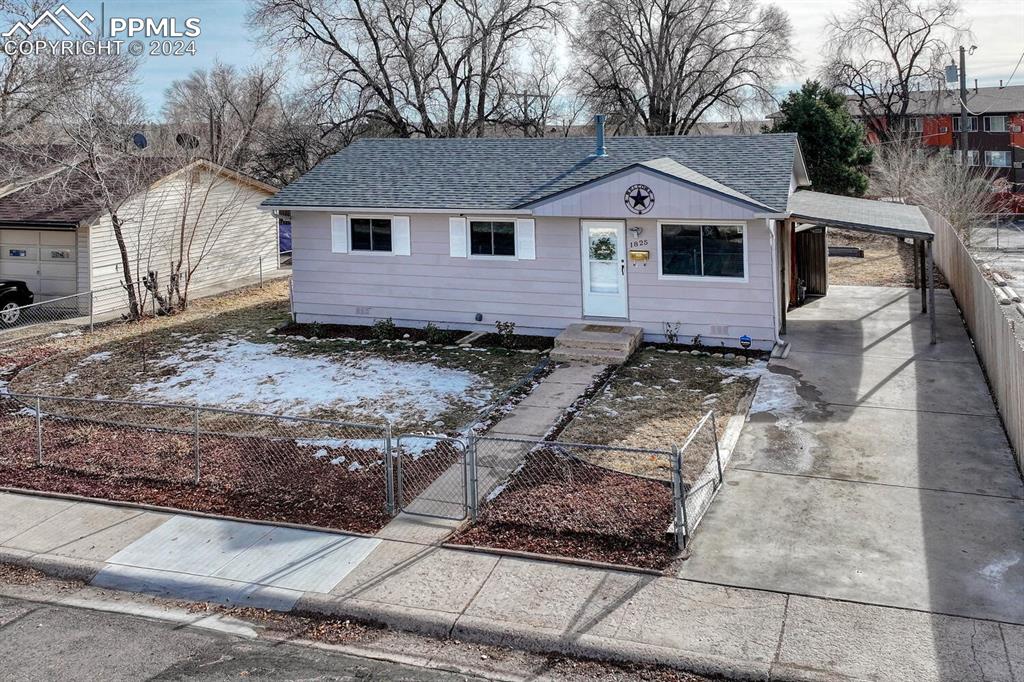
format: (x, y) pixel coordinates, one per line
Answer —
(638, 243)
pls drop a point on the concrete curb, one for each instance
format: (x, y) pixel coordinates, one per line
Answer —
(581, 645)
(54, 565)
(443, 625)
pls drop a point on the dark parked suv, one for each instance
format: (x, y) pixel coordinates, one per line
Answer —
(13, 295)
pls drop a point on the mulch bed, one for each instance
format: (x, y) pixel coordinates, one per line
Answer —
(578, 510)
(267, 479)
(440, 337)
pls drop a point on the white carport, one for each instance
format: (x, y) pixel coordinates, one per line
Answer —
(878, 217)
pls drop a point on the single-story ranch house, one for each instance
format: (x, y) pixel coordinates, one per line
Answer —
(684, 236)
(62, 242)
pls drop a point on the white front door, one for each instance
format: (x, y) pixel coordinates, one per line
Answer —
(604, 268)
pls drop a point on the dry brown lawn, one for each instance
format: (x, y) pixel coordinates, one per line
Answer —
(654, 401)
(887, 261)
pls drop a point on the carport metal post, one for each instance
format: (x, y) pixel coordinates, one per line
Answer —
(91, 306)
(923, 267)
(931, 288)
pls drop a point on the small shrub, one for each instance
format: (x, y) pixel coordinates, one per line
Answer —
(696, 341)
(507, 334)
(315, 329)
(384, 330)
(672, 332)
(434, 334)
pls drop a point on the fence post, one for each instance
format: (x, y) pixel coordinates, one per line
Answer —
(92, 306)
(718, 454)
(195, 432)
(39, 433)
(389, 471)
(261, 271)
(471, 481)
(679, 498)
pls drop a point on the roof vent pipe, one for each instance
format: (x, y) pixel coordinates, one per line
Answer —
(599, 149)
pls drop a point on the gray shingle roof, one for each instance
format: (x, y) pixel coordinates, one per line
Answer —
(507, 173)
(881, 217)
(678, 170)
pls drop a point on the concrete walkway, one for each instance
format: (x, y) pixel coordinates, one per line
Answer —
(534, 605)
(440, 508)
(877, 470)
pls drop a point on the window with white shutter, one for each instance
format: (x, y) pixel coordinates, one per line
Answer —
(401, 239)
(458, 243)
(339, 234)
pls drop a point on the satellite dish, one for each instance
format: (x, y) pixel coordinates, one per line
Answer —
(187, 141)
(140, 141)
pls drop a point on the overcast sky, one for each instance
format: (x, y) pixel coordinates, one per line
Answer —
(998, 27)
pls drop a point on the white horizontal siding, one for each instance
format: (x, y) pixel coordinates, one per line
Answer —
(232, 232)
(541, 296)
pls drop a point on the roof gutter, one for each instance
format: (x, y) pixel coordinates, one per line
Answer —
(37, 225)
(460, 210)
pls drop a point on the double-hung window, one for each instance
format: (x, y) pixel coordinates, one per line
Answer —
(996, 124)
(371, 234)
(998, 159)
(972, 124)
(492, 238)
(708, 250)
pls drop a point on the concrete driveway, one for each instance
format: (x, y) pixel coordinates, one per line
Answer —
(874, 468)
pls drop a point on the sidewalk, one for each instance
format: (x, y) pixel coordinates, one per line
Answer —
(485, 598)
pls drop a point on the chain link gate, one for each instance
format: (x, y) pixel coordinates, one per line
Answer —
(432, 476)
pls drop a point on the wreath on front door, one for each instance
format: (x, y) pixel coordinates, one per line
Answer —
(602, 248)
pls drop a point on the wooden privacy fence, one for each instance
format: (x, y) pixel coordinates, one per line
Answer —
(1001, 352)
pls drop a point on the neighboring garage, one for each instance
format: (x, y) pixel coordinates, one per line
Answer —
(46, 260)
(61, 242)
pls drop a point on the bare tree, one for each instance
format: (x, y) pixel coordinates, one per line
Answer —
(438, 68)
(31, 85)
(89, 152)
(659, 67)
(303, 135)
(883, 50)
(963, 194)
(201, 200)
(222, 113)
(540, 101)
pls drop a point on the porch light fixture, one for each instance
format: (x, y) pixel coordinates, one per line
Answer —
(636, 230)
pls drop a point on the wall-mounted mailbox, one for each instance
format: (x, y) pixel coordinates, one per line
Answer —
(639, 256)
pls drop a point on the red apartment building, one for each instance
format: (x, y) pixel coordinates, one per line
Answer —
(995, 127)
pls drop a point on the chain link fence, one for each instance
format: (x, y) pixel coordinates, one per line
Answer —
(615, 504)
(700, 475)
(74, 313)
(269, 467)
(571, 499)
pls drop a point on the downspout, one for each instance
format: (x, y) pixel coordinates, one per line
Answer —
(773, 244)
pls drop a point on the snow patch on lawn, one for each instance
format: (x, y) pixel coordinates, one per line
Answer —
(236, 373)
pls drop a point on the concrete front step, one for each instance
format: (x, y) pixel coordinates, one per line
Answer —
(605, 343)
(590, 356)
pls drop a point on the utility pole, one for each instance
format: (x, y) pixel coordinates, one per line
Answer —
(963, 107)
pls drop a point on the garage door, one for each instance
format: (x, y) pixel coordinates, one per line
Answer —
(46, 260)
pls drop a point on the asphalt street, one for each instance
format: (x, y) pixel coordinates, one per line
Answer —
(52, 643)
